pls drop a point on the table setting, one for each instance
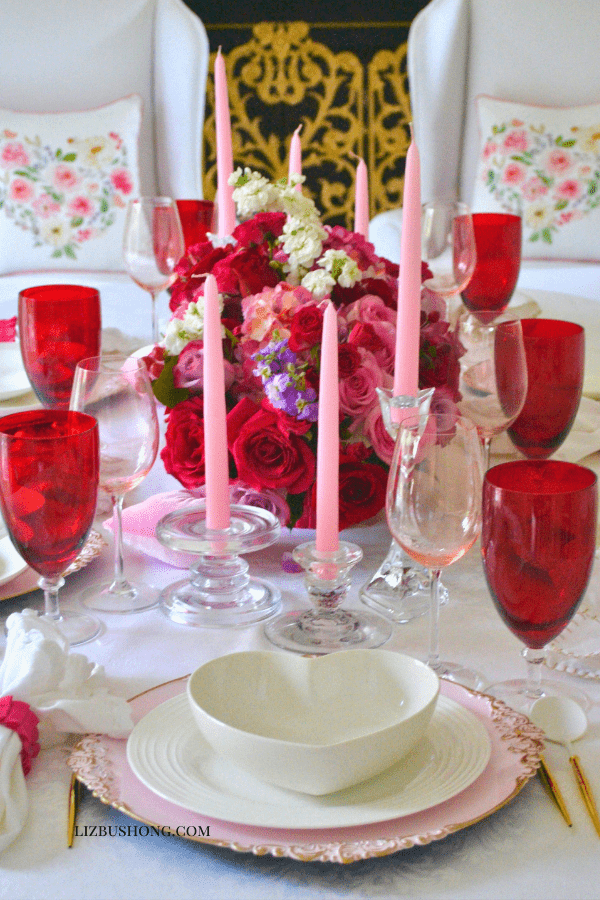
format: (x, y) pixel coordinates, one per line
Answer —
(207, 692)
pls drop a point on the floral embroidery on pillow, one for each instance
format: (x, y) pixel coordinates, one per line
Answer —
(65, 196)
(551, 180)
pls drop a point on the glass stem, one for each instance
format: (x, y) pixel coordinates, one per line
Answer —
(120, 583)
(487, 446)
(434, 621)
(534, 659)
(51, 587)
(153, 295)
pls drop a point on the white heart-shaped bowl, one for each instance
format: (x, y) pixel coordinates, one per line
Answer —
(314, 725)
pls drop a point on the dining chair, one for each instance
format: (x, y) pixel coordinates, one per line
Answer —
(539, 53)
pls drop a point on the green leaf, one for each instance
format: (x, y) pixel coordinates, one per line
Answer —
(103, 206)
(295, 503)
(57, 253)
(561, 204)
(70, 157)
(547, 235)
(164, 388)
(75, 223)
(69, 251)
(535, 236)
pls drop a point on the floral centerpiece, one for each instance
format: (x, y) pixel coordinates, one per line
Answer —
(273, 278)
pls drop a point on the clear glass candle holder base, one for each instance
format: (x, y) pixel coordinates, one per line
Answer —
(219, 592)
(400, 589)
(327, 628)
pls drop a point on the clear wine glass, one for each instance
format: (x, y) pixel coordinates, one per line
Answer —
(555, 355)
(498, 241)
(117, 392)
(448, 246)
(493, 376)
(433, 506)
(48, 489)
(153, 244)
(538, 543)
(59, 324)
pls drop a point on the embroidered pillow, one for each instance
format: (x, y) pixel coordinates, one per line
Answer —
(65, 179)
(543, 163)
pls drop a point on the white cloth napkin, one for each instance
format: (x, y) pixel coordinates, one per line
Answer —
(65, 690)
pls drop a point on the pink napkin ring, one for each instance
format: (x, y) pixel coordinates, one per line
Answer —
(19, 717)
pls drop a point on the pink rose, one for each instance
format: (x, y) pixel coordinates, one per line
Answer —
(375, 431)
(81, 206)
(122, 181)
(13, 155)
(358, 392)
(45, 206)
(516, 141)
(84, 234)
(65, 177)
(20, 190)
(559, 161)
(514, 173)
(569, 189)
(490, 148)
(533, 188)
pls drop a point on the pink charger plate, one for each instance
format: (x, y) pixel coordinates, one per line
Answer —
(101, 764)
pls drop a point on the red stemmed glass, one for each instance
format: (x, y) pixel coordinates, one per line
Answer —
(49, 465)
(555, 356)
(197, 220)
(538, 542)
(498, 246)
(59, 324)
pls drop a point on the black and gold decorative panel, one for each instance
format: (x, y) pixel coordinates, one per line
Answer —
(345, 82)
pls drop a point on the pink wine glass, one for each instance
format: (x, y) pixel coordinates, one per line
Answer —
(538, 543)
(59, 324)
(197, 220)
(49, 465)
(555, 354)
(492, 284)
(433, 507)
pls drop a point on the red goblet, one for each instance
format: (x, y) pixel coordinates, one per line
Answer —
(49, 465)
(59, 324)
(197, 219)
(492, 284)
(555, 356)
(538, 542)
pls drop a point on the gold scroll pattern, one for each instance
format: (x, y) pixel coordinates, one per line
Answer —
(281, 78)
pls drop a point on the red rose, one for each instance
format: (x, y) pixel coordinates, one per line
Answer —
(364, 335)
(183, 455)
(306, 328)
(191, 270)
(349, 360)
(261, 228)
(362, 492)
(245, 272)
(267, 455)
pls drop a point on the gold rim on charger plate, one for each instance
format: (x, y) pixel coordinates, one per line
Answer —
(87, 765)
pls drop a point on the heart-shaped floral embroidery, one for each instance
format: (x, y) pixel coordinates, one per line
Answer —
(67, 195)
(549, 179)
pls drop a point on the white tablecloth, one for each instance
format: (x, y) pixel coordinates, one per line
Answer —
(524, 850)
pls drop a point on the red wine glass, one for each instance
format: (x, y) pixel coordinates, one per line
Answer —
(498, 246)
(538, 543)
(59, 324)
(49, 465)
(555, 354)
(197, 220)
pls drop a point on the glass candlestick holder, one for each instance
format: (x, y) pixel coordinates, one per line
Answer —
(219, 592)
(327, 627)
(400, 589)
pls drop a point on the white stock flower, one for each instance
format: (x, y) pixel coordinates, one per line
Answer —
(180, 332)
(342, 267)
(319, 283)
(302, 240)
(253, 193)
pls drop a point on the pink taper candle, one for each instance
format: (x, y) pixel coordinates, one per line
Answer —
(328, 440)
(225, 204)
(215, 432)
(295, 163)
(361, 202)
(406, 369)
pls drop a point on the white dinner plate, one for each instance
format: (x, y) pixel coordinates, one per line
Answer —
(13, 378)
(11, 562)
(169, 755)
